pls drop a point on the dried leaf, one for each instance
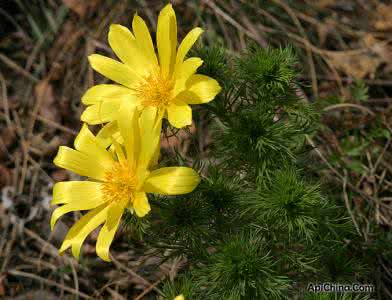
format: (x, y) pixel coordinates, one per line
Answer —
(60, 175)
(81, 7)
(323, 3)
(367, 189)
(67, 41)
(383, 50)
(5, 177)
(324, 28)
(384, 14)
(7, 136)
(357, 66)
(176, 140)
(2, 290)
(44, 95)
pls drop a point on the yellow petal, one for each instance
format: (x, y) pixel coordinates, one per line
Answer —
(82, 228)
(141, 205)
(124, 44)
(75, 191)
(179, 114)
(171, 181)
(87, 143)
(59, 212)
(112, 69)
(105, 239)
(189, 67)
(143, 39)
(180, 297)
(167, 39)
(129, 130)
(92, 198)
(108, 230)
(116, 209)
(102, 112)
(187, 44)
(150, 129)
(155, 156)
(80, 163)
(186, 70)
(199, 89)
(102, 92)
(118, 150)
(109, 132)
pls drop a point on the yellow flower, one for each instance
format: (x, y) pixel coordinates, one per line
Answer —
(167, 82)
(180, 297)
(119, 178)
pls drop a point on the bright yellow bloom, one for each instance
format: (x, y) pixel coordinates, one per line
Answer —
(119, 178)
(167, 82)
(180, 297)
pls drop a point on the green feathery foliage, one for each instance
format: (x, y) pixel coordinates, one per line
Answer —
(242, 268)
(259, 225)
(182, 286)
(287, 203)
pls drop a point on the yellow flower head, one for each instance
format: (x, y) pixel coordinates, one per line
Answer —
(167, 82)
(119, 178)
(180, 297)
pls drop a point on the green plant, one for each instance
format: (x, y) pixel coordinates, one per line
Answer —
(258, 226)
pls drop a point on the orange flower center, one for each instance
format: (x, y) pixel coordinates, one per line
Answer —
(120, 182)
(155, 90)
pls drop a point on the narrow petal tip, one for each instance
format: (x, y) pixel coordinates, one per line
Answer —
(199, 30)
(103, 254)
(52, 223)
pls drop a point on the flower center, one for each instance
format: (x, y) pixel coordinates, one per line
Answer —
(155, 90)
(120, 182)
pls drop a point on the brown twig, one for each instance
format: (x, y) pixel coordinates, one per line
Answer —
(298, 24)
(353, 105)
(133, 273)
(148, 289)
(56, 125)
(348, 207)
(18, 273)
(17, 68)
(4, 95)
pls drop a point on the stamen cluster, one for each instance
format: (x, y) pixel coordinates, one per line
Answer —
(155, 90)
(120, 183)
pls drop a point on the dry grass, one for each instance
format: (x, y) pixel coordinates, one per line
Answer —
(44, 71)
